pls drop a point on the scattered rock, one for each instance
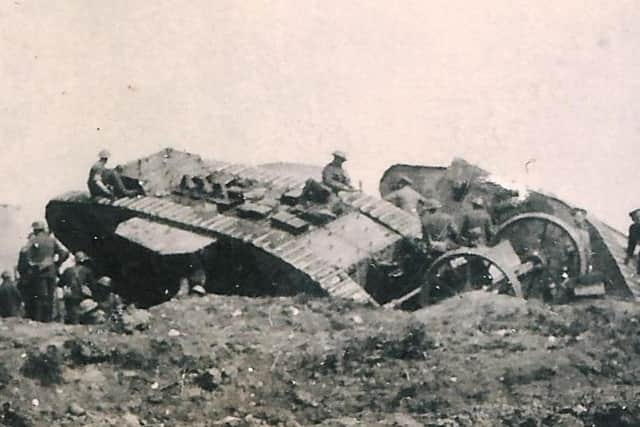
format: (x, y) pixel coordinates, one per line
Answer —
(210, 379)
(85, 352)
(404, 420)
(341, 422)
(130, 420)
(305, 398)
(134, 319)
(76, 410)
(229, 421)
(174, 333)
(291, 311)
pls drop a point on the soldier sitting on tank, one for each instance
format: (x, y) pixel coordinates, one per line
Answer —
(105, 182)
(477, 227)
(10, 298)
(334, 176)
(439, 230)
(404, 196)
(77, 281)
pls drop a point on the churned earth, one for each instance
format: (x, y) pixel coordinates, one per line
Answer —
(475, 360)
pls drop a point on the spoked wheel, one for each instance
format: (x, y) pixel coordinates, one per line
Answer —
(465, 270)
(544, 237)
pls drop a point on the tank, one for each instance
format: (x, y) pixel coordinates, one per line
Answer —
(538, 244)
(252, 230)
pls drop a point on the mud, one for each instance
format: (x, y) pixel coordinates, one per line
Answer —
(231, 361)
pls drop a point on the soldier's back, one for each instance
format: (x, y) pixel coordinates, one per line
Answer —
(10, 299)
(436, 225)
(405, 198)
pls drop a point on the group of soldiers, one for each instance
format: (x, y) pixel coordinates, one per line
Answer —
(440, 230)
(40, 293)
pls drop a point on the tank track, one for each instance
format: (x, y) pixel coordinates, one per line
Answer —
(616, 243)
(285, 246)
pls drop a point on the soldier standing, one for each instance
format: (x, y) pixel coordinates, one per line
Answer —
(404, 196)
(438, 228)
(73, 280)
(10, 298)
(38, 266)
(633, 238)
(477, 228)
(334, 176)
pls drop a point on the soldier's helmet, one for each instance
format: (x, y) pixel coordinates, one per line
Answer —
(431, 204)
(6, 274)
(340, 154)
(578, 212)
(635, 213)
(104, 281)
(104, 154)
(87, 306)
(478, 201)
(198, 290)
(81, 257)
(38, 226)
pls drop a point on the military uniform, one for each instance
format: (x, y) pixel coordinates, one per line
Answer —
(10, 298)
(334, 176)
(406, 198)
(633, 238)
(38, 266)
(105, 182)
(73, 279)
(477, 228)
(96, 182)
(439, 231)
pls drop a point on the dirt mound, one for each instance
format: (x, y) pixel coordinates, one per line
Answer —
(234, 361)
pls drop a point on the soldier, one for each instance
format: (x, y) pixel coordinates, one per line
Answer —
(634, 237)
(108, 301)
(580, 223)
(105, 182)
(89, 312)
(439, 230)
(404, 196)
(96, 182)
(73, 280)
(38, 266)
(477, 228)
(10, 298)
(334, 176)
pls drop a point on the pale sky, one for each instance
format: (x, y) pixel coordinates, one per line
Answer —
(496, 82)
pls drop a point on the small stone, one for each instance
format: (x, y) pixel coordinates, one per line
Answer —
(236, 313)
(35, 402)
(173, 333)
(77, 410)
(130, 420)
(229, 421)
(291, 311)
(357, 319)
(210, 379)
(305, 398)
(155, 398)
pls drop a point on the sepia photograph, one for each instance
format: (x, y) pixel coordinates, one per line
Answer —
(326, 213)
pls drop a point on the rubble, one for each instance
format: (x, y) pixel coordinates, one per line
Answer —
(464, 364)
